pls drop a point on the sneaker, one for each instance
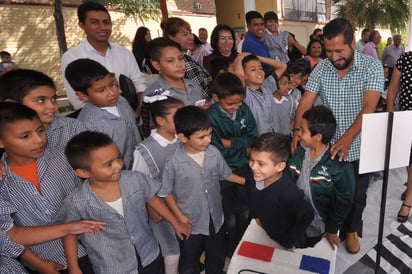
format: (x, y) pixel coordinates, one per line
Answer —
(352, 243)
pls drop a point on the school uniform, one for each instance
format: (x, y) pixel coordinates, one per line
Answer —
(57, 180)
(121, 128)
(197, 193)
(150, 158)
(8, 249)
(61, 130)
(188, 97)
(128, 239)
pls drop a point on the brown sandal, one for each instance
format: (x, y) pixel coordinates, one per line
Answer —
(404, 218)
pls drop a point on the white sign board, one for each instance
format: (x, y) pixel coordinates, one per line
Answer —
(373, 141)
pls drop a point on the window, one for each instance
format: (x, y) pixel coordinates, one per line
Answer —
(310, 10)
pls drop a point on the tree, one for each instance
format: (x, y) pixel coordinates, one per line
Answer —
(393, 14)
(142, 9)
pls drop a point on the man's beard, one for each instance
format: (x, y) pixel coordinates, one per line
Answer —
(347, 63)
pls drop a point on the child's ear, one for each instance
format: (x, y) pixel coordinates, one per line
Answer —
(1, 143)
(281, 166)
(160, 120)
(155, 64)
(82, 96)
(182, 138)
(82, 173)
(215, 97)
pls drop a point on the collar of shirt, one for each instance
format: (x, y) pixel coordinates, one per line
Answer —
(283, 99)
(90, 48)
(227, 114)
(162, 140)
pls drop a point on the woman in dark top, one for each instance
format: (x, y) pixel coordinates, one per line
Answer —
(141, 50)
(223, 45)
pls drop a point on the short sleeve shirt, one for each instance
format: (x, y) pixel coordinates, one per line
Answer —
(345, 96)
(404, 65)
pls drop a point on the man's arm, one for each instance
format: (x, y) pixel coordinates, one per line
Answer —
(342, 145)
(305, 103)
(393, 89)
(297, 45)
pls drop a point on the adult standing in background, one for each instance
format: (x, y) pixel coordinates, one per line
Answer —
(392, 53)
(140, 49)
(95, 21)
(371, 47)
(364, 39)
(401, 83)
(350, 84)
(223, 45)
(203, 35)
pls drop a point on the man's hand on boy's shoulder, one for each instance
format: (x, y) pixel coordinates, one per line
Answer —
(333, 239)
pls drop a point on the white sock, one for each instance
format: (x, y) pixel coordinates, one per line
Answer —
(171, 263)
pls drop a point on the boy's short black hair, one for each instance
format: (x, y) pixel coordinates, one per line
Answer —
(250, 15)
(17, 84)
(81, 74)
(84, 8)
(270, 15)
(11, 112)
(248, 58)
(79, 148)
(321, 120)
(4, 53)
(158, 44)
(294, 68)
(190, 119)
(275, 143)
(228, 84)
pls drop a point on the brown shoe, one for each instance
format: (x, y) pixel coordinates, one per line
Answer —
(352, 242)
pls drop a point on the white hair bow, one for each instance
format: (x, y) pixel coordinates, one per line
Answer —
(158, 95)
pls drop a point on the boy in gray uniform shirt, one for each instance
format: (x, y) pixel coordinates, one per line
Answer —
(190, 186)
(105, 109)
(117, 197)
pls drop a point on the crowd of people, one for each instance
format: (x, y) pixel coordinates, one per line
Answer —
(264, 128)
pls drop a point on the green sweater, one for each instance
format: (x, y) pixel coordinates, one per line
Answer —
(332, 185)
(241, 131)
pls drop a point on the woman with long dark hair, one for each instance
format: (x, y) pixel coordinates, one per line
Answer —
(141, 50)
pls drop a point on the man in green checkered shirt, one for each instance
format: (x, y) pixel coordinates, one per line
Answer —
(350, 84)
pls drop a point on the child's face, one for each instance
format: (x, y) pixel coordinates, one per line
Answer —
(295, 80)
(185, 38)
(197, 142)
(24, 141)
(305, 135)
(254, 74)
(263, 167)
(43, 100)
(171, 64)
(166, 122)
(105, 167)
(104, 92)
(284, 86)
(230, 104)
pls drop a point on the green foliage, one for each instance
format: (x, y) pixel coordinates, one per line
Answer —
(142, 9)
(393, 14)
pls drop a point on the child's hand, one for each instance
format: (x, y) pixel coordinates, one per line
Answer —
(49, 267)
(86, 226)
(226, 142)
(205, 106)
(186, 220)
(154, 215)
(183, 230)
(333, 239)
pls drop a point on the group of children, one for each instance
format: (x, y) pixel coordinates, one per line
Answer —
(203, 173)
